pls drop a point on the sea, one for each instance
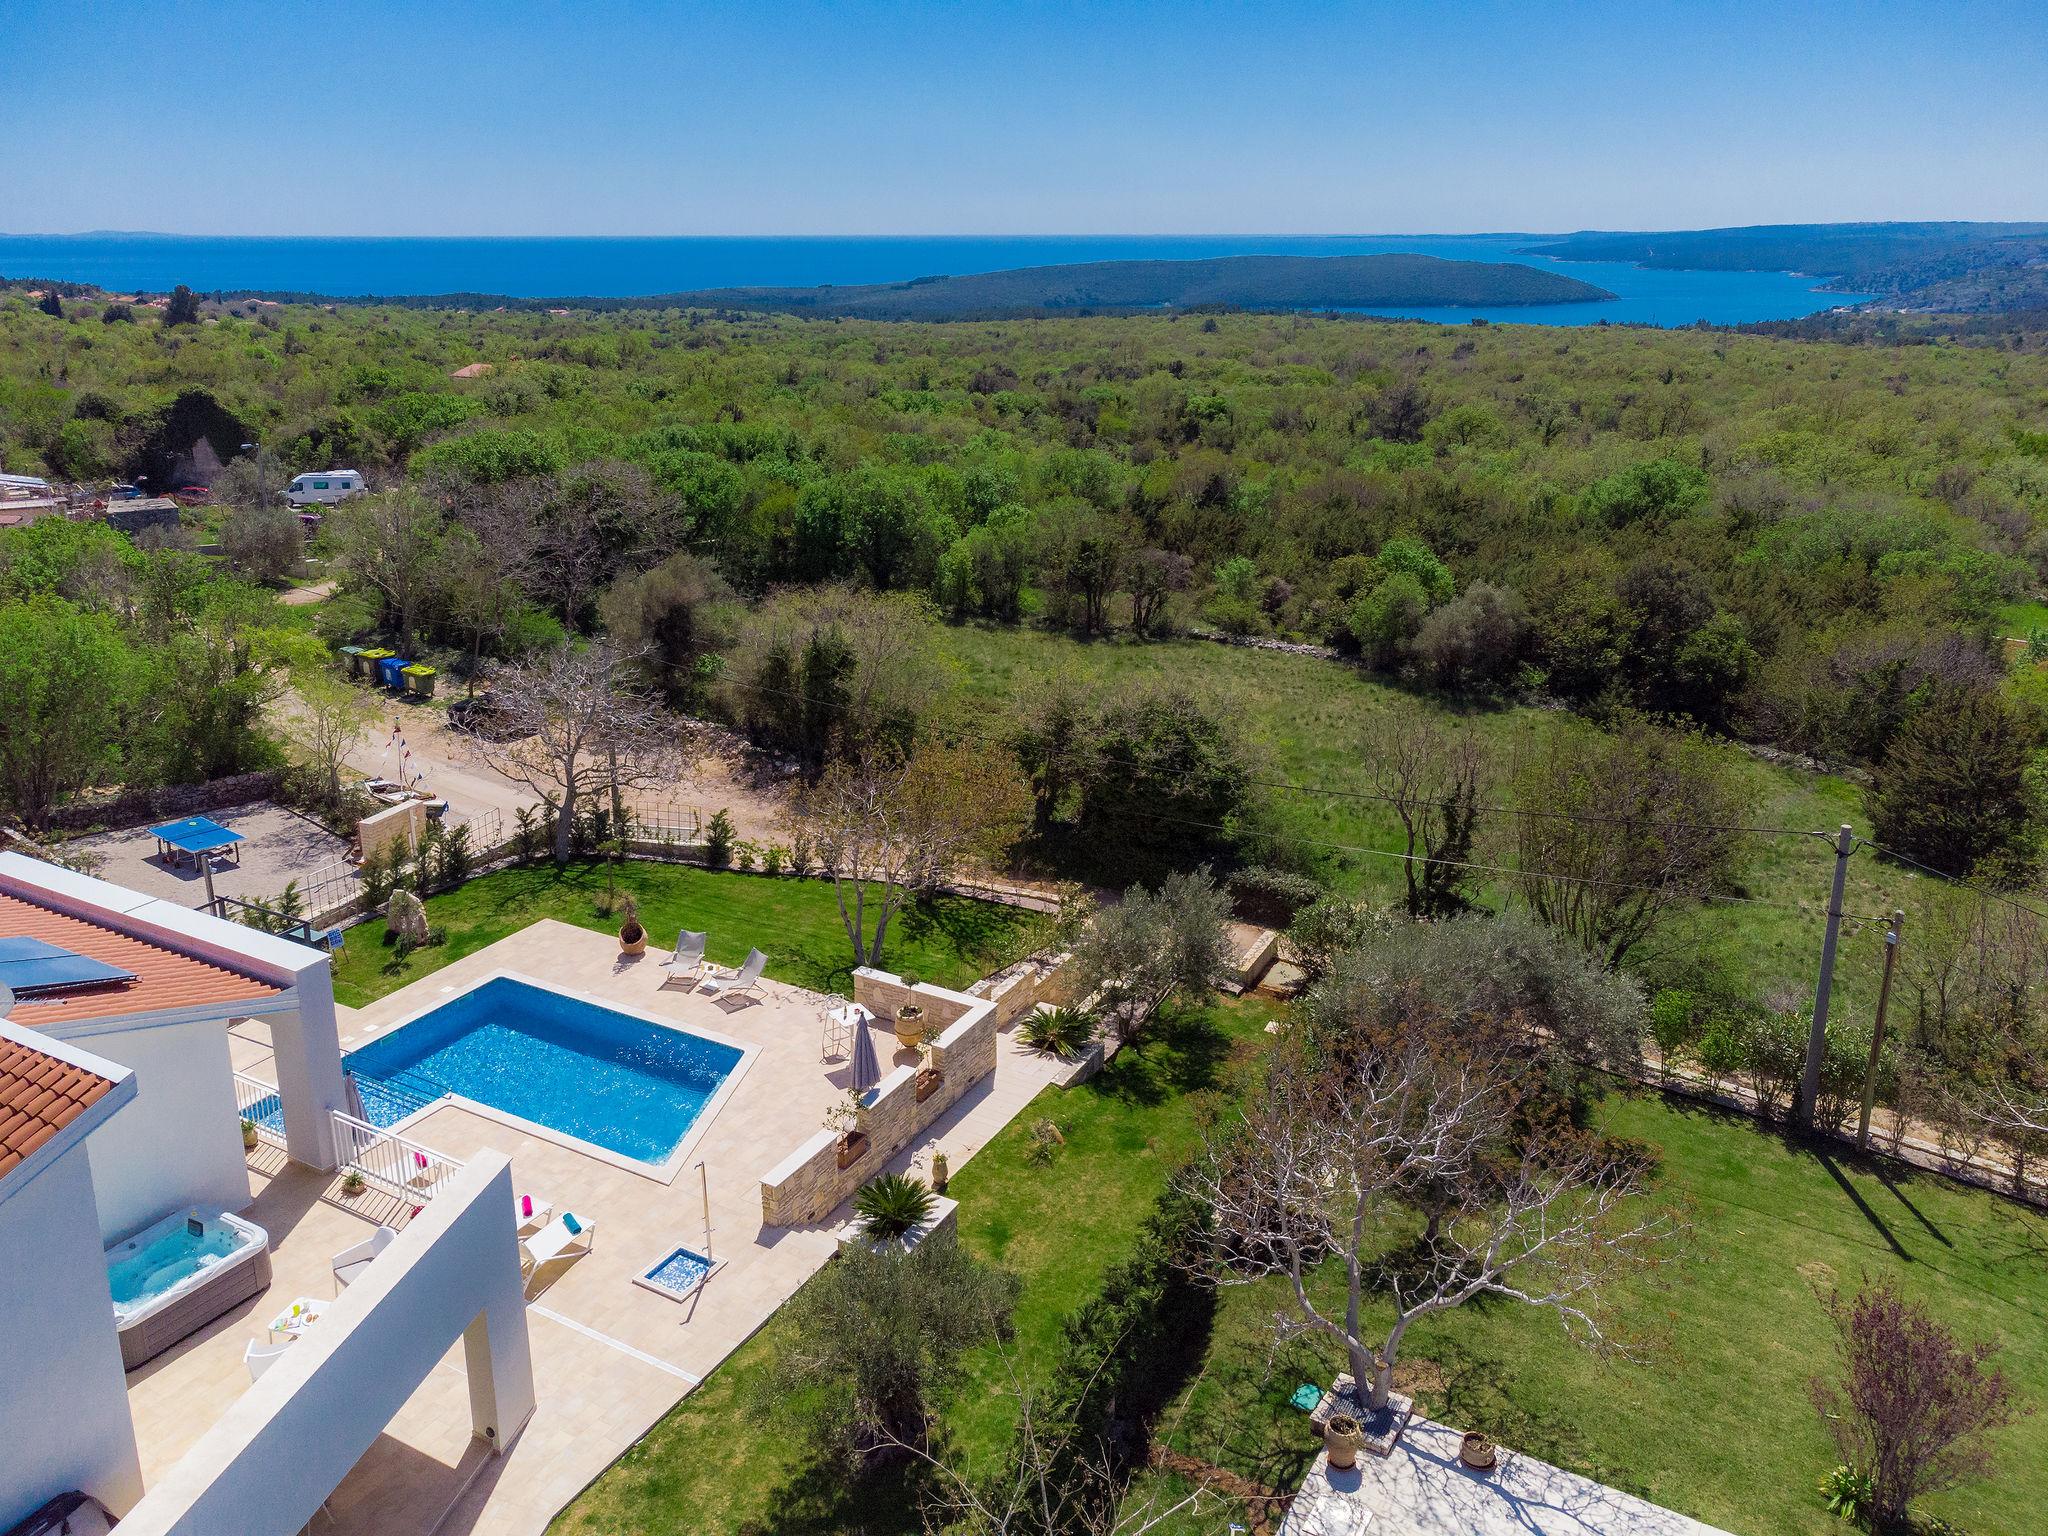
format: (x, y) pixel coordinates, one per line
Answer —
(629, 266)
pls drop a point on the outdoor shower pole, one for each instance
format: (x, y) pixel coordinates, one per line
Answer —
(704, 1184)
(1817, 1036)
(1884, 997)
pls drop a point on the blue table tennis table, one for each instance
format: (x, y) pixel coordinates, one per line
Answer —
(195, 836)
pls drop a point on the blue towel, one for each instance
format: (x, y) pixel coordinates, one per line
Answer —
(571, 1223)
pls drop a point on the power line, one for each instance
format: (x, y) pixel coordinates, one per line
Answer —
(1494, 869)
(1580, 816)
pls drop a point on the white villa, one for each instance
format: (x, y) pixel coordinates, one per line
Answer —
(233, 1299)
(118, 1117)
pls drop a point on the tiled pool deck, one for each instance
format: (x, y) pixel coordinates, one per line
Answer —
(610, 1357)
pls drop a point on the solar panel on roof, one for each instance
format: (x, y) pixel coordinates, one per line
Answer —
(31, 967)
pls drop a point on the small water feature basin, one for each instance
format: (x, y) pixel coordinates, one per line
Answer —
(678, 1274)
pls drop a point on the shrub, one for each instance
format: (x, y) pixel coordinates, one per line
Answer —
(1723, 1046)
(1847, 1493)
(1123, 1355)
(892, 1205)
(1270, 897)
(719, 839)
(1674, 1020)
(1913, 1406)
(1061, 1031)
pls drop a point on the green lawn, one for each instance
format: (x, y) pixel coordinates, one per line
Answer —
(951, 941)
(725, 1460)
(1711, 1418)
(1305, 717)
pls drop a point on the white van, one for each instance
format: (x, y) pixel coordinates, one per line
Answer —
(328, 488)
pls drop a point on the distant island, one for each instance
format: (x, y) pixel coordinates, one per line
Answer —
(1944, 268)
(1102, 287)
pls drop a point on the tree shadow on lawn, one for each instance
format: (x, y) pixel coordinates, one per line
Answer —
(823, 1498)
(1184, 1053)
(1837, 1160)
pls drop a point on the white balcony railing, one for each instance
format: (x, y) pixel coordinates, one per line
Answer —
(257, 1103)
(395, 1165)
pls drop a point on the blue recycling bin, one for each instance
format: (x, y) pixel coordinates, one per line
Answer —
(391, 671)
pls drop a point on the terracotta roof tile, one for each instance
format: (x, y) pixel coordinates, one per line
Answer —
(40, 1094)
(164, 977)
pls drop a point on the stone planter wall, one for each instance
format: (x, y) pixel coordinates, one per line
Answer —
(809, 1184)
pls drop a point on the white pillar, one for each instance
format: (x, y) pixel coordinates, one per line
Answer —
(306, 1045)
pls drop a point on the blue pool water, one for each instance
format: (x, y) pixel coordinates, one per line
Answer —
(621, 1083)
(679, 1273)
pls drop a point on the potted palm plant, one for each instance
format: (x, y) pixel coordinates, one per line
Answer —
(632, 937)
(892, 1207)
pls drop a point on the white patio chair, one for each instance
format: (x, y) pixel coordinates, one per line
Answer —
(746, 979)
(687, 964)
(568, 1235)
(350, 1263)
(260, 1357)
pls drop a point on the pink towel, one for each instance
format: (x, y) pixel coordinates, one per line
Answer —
(526, 1205)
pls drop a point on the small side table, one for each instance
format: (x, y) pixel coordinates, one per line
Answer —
(295, 1319)
(839, 1023)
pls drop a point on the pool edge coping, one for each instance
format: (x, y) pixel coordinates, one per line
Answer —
(664, 1172)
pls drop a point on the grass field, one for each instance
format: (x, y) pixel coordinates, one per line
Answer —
(950, 941)
(1707, 1412)
(1306, 717)
(1711, 1417)
(727, 1459)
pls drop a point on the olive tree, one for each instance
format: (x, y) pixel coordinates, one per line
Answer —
(1152, 947)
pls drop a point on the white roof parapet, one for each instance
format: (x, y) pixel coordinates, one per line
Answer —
(264, 955)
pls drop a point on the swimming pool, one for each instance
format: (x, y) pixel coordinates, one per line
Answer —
(626, 1084)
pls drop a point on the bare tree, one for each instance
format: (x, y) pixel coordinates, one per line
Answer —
(1616, 830)
(574, 722)
(889, 826)
(1351, 1139)
(1434, 778)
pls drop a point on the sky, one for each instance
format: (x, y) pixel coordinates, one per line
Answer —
(520, 117)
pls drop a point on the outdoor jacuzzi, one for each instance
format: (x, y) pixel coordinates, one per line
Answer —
(175, 1277)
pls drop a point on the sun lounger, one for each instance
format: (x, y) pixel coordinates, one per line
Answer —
(746, 979)
(687, 964)
(565, 1235)
(531, 1214)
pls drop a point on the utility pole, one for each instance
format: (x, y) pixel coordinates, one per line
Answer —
(1884, 997)
(1817, 1036)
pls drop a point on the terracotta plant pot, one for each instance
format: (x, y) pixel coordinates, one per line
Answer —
(853, 1146)
(634, 946)
(1477, 1452)
(928, 1082)
(248, 1137)
(1342, 1437)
